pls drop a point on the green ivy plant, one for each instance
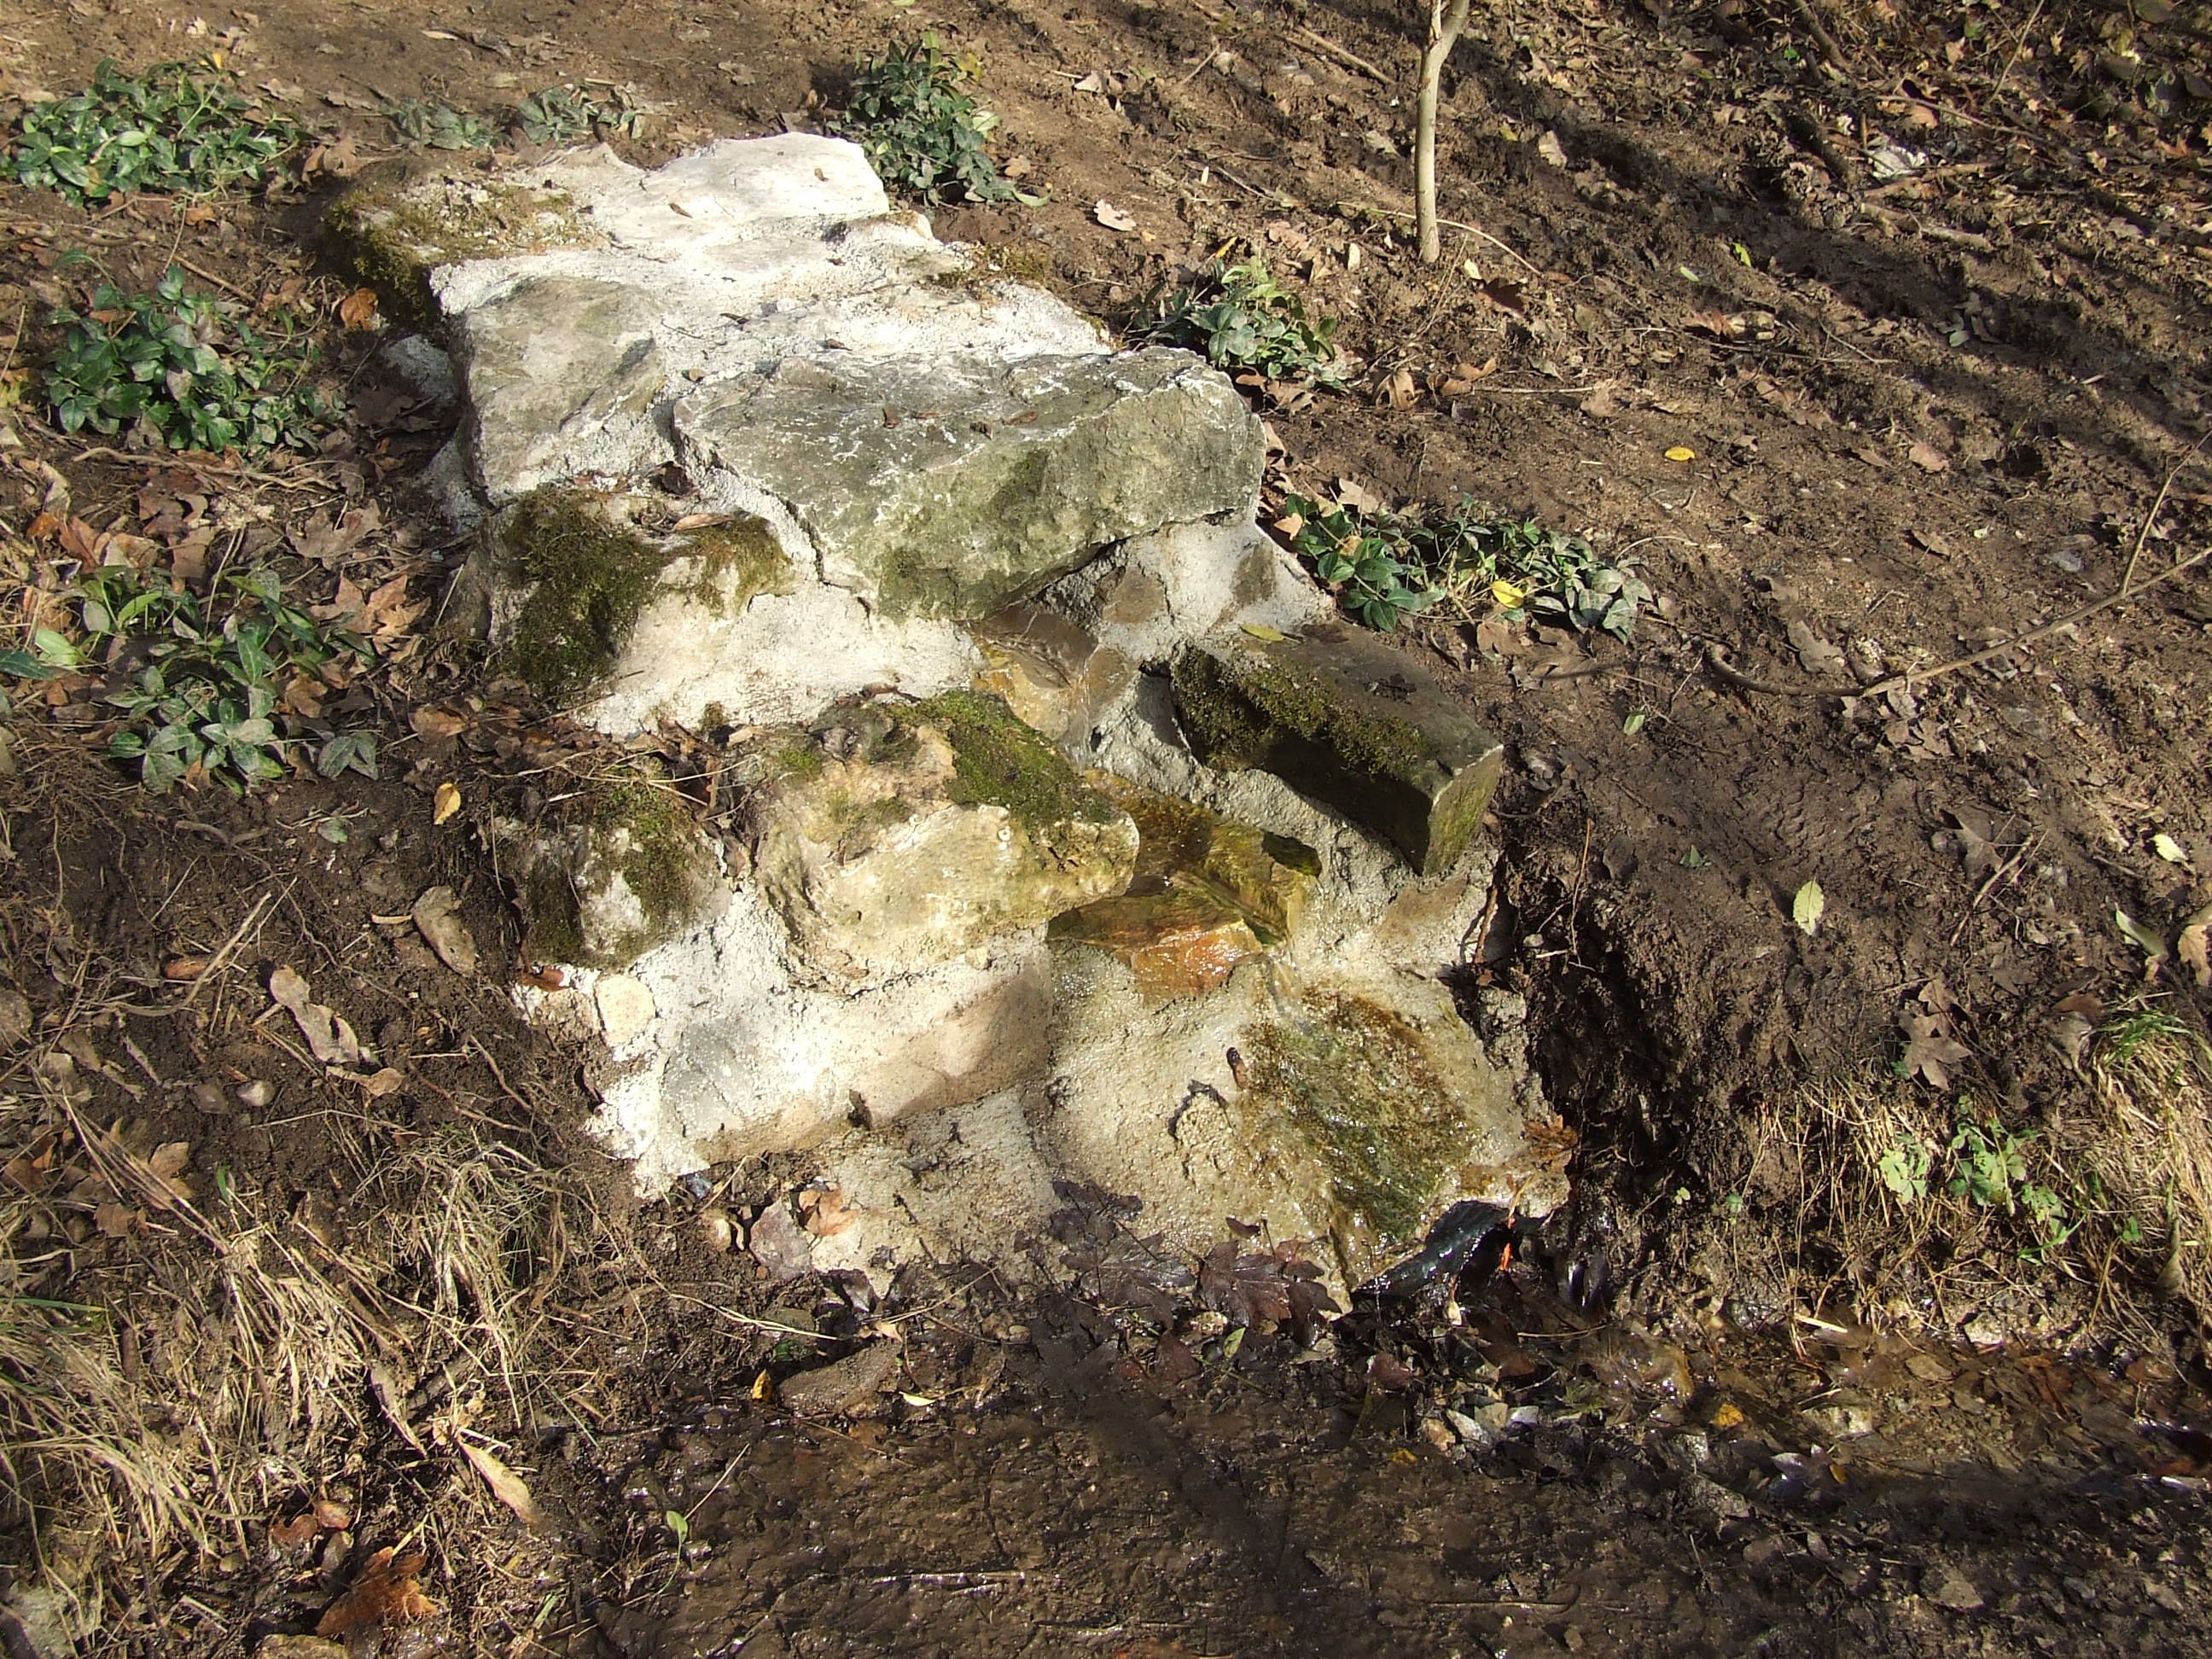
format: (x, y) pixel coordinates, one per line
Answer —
(565, 113)
(177, 128)
(195, 373)
(925, 134)
(1242, 319)
(203, 681)
(1387, 566)
(423, 124)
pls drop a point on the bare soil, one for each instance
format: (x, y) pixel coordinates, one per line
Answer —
(1929, 321)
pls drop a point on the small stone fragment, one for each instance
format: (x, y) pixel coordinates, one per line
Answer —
(1350, 723)
(850, 1386)
(625, 1005)
(784, 1249)
(1946, 1587)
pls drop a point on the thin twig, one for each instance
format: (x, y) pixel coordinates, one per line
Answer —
(1477, 231)
(207, 275)
(2150, 520)
(1898, 682)
(1349, 59)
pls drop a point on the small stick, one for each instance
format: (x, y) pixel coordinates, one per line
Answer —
(1349, 59)
(1898, 682)
(206, 276)
(1534, 270)
(2150, 520)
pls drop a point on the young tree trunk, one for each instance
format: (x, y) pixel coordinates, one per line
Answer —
(1443, 34)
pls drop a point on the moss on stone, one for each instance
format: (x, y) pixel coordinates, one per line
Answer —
(999, 762)
(589, 578)
(630, 825)
(1354, 1082)
(1238, 712)
(657, 864)
(392, 236)
(739, 560)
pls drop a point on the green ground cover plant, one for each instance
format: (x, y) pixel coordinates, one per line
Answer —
(1469, 559)
(925, 134)
(223, 686)
(194, 373)
(177, 128)
(1242, 320)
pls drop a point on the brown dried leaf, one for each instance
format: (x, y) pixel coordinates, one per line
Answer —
(2194, 946)
(506, 1485)
(825, 1212)
(328, 1038)
(116, 1220)
(301, 1530)
(358, 308)
(388, 1592)
(436, 918)
(1929, 459)
(435, 725)
(1930, 1050)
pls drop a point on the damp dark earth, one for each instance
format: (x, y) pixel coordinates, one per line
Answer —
(1782, 1225)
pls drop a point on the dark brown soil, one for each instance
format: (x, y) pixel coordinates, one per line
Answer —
(1926, 412)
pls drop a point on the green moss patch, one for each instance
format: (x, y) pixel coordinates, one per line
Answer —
(629, 825)
(590, 575)
(1354, 1082)
(391, 237)
(1000, 761)
(1243, 713)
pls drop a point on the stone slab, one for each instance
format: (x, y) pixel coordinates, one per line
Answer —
(1342, 718)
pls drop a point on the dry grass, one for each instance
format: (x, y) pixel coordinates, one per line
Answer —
(218, 1364)
(2128, 1155)
(2151, 1150)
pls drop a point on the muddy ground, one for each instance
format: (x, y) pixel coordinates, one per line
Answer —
(1928, 317)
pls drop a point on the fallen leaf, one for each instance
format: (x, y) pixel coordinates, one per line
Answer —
(2194, 948)
(1930, 1051)
(436, 918)
(2169, 849)
(2150, 941)
(1807, 908)
(1111, 216)
(387, 1592)
(331, 1517)
(1508, 596)
(328, 1038)
(358, 308)
(115, 1220)
(1262, 1285)
(292, 1535)
(1352, 494)
(1814, 653)
(14, 1017)
(445, 802)
(825, 1212)
(1551, 150)
(377, 1084)
(1402, 393)
(435, 725)
(506, 1485)
(1681, 452)
(1928, 459)
(1261, 631)
(168, 1165)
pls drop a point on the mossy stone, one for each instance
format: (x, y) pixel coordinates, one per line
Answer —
(626, 870)
(390, 234)
(590, 574)
(1353, 1081)
(1352, 724)
(1000, 761)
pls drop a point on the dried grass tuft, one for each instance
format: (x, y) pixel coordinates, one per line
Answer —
(188, 1393)
(2152, 1149)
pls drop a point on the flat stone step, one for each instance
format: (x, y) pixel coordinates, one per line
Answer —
(1347, 721)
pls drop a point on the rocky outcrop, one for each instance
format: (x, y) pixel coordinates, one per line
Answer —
(1073, 839)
